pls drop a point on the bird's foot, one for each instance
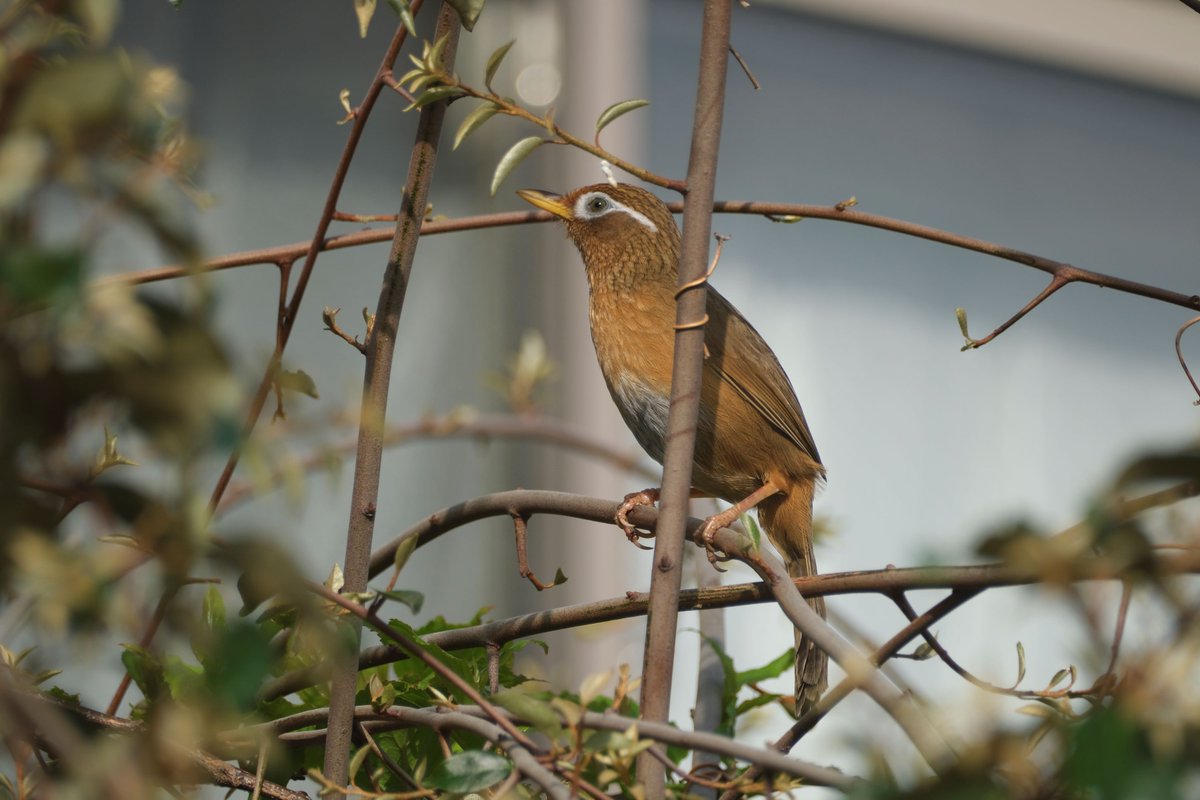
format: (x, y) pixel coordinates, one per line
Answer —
(646, 497)
(707, 532)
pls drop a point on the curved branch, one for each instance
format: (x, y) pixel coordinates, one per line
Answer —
(482, 427)
(529, 502)
(1182, 360)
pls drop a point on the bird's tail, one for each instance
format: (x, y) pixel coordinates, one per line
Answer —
(787, 519)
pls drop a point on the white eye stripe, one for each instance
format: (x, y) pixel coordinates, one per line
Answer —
(581, 211)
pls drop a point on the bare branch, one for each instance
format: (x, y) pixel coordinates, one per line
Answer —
(686, 371)
(1182, 360)
(777, 211)
(381, 345)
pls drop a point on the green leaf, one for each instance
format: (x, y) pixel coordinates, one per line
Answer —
(145, 669)
(404, 11)
(36, 276)
(493, 63)
(754, 702)
(404, 551)
(241, 659)
(364, 10)
(618, 110)
(297, 381)
(538, 713)
(357, 761)
(515, 155)
(432, 95)
(469, 772)
(214, 609)
(468, 11)
(771, 669)
(473, 120)
(433, 60)
(414, 600)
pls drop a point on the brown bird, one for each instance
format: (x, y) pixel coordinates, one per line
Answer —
(753, 446)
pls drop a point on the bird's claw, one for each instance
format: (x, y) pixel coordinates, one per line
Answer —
(646, 497)
(705, 535)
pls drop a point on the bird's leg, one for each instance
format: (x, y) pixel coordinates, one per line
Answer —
(708, 530)
(646, 497)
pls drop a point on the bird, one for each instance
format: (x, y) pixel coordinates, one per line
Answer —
(753, 445)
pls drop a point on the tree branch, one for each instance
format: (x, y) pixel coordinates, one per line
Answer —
(684, 412)
(376, 383)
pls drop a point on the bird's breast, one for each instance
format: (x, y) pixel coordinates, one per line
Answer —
(634, 340)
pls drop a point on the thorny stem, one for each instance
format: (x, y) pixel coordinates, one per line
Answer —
(381, 344)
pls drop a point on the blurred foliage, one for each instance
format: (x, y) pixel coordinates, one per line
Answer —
(111, 398)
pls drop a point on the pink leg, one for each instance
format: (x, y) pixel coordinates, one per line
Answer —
(646, 497)
(706, 532)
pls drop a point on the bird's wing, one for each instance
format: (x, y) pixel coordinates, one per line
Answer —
(757, 376)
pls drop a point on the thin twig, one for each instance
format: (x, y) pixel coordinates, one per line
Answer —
(1182, 360)
(519, 531)
(745, 68)
(160, 611)
(1056, 283)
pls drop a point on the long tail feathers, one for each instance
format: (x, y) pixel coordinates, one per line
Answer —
(788, 521)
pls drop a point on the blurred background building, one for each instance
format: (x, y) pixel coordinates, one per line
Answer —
(1068, 129)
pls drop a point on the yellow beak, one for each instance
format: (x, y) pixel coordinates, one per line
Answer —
(545, 201)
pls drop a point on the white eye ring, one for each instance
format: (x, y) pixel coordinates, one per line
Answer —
(594, 205)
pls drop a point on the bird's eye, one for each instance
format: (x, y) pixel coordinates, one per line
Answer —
(597, 204)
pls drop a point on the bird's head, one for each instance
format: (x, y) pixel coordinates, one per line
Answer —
(625, 234)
